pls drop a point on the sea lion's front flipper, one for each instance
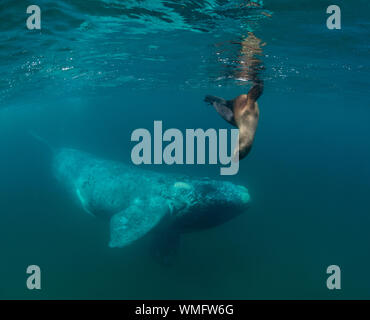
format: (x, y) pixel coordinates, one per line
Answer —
(137, 220)
(223, 107)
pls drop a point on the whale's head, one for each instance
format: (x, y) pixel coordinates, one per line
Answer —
(200, 204)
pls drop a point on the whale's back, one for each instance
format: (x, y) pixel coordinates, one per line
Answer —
(103, 187)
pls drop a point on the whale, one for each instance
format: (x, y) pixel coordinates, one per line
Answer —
(138, 201)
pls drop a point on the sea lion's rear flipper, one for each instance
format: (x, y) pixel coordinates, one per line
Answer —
(256, 91)
(135, 221)
(223, 107)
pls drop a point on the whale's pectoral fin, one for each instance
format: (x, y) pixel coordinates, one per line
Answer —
(135, 221)
(223, 107)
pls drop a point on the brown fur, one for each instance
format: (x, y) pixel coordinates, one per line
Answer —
(242, 112)
(246, 115)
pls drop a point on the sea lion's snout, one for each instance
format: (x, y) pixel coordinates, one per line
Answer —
(241, 152)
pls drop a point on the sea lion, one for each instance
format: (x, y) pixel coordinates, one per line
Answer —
(242, 112)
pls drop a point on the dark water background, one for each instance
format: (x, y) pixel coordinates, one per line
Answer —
(99, 69)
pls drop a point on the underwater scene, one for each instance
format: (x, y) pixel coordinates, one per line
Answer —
(126, 162)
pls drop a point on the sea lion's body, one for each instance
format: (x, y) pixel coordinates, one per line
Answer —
(242, 112)
(246, 115)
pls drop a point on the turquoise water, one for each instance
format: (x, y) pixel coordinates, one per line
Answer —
(97, 70)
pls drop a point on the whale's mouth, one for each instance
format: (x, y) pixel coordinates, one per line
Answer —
(206, 204)
(209, 217)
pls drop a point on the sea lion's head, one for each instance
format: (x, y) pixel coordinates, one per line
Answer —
(243, 148)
